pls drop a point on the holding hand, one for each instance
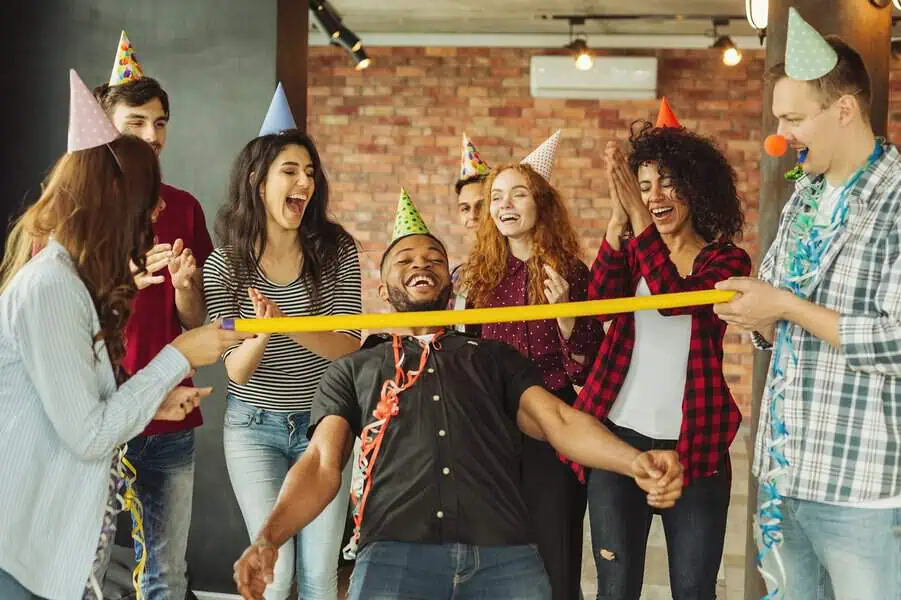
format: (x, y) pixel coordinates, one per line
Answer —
(204, 345)
(155, 260)
(182, 267)
(659, 473)
(254, 570)
(180, 402)
(756, 306)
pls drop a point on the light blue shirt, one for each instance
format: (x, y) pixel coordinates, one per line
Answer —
(61, 420)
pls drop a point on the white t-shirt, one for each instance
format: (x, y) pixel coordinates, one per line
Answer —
(650, 401)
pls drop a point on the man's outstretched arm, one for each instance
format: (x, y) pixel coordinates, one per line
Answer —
(311, 484)
(581, 438)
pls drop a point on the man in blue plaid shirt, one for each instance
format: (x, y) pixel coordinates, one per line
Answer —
(828, 305)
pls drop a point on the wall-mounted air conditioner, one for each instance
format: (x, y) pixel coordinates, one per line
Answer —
(610, 78)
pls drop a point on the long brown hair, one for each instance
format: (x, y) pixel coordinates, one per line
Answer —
(554, 243)
(97, 203)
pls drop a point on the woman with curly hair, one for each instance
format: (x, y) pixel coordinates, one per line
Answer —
(658, 379)
(526, 252)
(281, 255)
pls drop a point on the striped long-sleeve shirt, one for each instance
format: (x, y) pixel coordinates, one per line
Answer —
(61, 421)
(288, 374)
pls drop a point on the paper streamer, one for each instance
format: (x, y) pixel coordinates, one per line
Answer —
(438, 318)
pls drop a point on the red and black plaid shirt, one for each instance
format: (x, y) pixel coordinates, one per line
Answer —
(710, 415)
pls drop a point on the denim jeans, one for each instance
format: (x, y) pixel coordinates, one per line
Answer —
(620, 520)
(407, 571)
(260, 447)
(840, 553)
(165, 487)
(10, 589)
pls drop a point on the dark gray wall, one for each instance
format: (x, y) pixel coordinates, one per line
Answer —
(216, 58)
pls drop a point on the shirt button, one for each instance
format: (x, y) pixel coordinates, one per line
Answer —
(440, 514)
(446, 471)
(436, 397)
(431, 370)
(441, 433)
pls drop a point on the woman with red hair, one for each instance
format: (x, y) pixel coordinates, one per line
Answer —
(527, 252)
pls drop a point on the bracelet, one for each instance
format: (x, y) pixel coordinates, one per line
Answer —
(759, 341)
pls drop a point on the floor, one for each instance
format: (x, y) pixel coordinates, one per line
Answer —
(731, 583)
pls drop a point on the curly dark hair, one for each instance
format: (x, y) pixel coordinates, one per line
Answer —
(241, 223)
(701, 175)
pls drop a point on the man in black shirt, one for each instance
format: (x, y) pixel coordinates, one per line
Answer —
(440, 415)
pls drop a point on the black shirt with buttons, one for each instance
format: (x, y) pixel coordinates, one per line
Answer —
(448, 470)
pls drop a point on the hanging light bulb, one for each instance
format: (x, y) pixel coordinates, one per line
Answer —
(732, 56)
(581, 53)
(757, 12)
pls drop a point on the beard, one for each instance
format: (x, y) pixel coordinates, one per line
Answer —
(400, 300)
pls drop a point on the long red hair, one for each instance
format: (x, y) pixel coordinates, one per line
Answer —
(554, 243)
(97, 203)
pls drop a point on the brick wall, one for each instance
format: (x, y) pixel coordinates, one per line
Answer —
(399, 123)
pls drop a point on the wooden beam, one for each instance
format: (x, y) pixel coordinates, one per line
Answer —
(868, 30)
(291, 55)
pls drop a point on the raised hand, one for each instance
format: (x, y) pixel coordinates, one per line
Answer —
(263, 307)
(556, 288)
(155, 261)
(182, 266)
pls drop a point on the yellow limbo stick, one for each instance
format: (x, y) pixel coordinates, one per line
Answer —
(438, 318)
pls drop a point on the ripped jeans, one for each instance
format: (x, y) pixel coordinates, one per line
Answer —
(620, 520)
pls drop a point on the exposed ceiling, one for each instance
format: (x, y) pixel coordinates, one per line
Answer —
(528, 16)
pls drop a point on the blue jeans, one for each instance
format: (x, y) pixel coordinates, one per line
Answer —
(165, 487)
(620, 520)
(840, 553)
(260, 447)
(10, 589)
(406, 571)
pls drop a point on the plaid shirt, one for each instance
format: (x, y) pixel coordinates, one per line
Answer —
(842, 405)
(710, 415)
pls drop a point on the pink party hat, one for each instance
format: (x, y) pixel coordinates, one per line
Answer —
(542, 158)
(471, 164)
(89, 126)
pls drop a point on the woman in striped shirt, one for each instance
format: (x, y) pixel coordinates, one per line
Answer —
(281, 255)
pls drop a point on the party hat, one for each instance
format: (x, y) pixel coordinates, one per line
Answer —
(407, 221)
(89, 126)
(471, 164)
(279, 117)
(807, 55)
(126, 68)
(666, 118)
(542, 158)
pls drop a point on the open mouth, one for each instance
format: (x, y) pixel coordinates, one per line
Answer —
(508, 218)
(422, 281)
(661, 213)
(296, 202)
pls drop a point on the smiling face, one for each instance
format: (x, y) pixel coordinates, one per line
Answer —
(806, 124)
(148, 122)
(288, 187)
(670, 213)
(415, 275)
(512, 206)
(470, 202)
